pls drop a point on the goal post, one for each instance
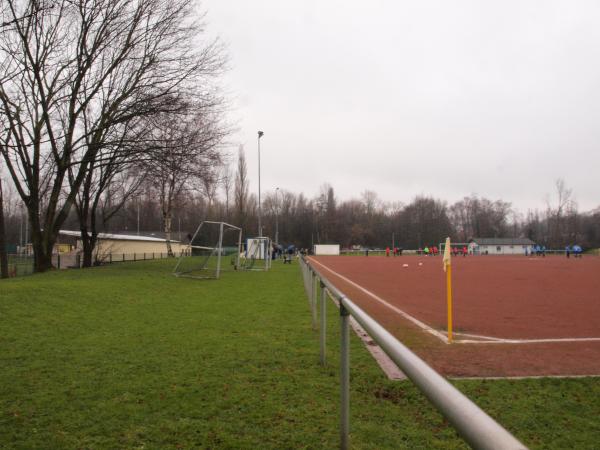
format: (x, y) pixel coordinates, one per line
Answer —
(258, 254)
(206, 253)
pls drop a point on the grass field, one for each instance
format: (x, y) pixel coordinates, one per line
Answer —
(128, 356)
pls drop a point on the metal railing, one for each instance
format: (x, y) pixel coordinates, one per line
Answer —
(476, 427)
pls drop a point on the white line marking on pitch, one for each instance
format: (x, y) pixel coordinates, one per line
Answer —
(480, 339)
(392, 307)
(526, 341)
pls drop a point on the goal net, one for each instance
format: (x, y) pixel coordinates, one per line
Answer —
(258, 254)
(213, 248)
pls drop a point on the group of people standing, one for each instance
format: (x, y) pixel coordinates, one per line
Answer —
(397, 251)
(574, 250)
(434, 251)
(537, 250)
(540, 250)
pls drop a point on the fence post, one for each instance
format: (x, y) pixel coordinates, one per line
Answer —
(110, 257)
(309, 286)
(123, 256)
(345, 377)
(323, 322)
(144, 256)
(152, 255)
(58, 260)
(313, 305)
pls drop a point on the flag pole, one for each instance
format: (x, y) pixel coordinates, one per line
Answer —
(448, 270)
(449, 299)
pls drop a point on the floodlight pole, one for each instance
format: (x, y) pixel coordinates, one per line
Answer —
(276, 217)
(260, 134)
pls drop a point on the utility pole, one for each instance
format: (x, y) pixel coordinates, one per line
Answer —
(276, 217)
(260, 233)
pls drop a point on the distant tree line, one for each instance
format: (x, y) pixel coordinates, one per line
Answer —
(366, 221)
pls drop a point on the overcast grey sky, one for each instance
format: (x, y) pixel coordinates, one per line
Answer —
(446, 98)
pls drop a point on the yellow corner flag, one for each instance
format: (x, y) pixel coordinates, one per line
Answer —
(448, 270)
(446, 259)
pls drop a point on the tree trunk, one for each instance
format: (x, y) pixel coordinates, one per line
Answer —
(42, 256)
(3, 254)
(168, 220)
(88, 249)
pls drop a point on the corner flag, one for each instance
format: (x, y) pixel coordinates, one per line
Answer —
(446, 259)
(448, 270)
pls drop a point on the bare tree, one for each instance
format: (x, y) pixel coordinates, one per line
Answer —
(227, 181)
(475, 216)
(102, 62)
(560, 214)
(241, 189)
(186, 157)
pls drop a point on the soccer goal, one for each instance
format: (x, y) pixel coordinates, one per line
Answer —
(214, 247)
(258, 254)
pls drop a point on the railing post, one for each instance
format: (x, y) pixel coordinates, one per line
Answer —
(311, 293)
(345, 378)
(313, 305)
(323, 322)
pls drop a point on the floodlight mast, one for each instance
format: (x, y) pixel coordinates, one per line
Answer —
(276, 217)
(260, 134)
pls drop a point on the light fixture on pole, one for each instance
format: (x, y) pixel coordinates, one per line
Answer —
(276, 217)
(260, 134)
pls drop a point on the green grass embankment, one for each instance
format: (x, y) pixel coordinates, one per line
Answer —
(127, 356)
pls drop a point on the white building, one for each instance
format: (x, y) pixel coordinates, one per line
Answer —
(501, 246)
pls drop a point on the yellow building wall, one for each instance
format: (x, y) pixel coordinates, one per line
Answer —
(118, 247)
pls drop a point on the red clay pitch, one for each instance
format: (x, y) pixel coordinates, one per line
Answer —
(499, 297)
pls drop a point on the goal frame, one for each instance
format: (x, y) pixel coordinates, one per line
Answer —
(250, 260)
(218, 250)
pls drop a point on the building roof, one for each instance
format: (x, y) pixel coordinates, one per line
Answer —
(120, 237)
(503, 241)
